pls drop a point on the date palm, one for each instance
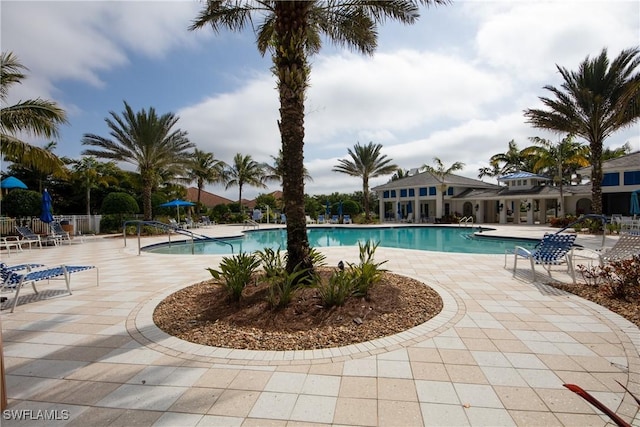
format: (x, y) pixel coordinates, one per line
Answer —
(291, 31)
(599, 99)
(90, 174)
(558, 161)
(145, 140)
(204, 168)
(275, 172)
(34, 117)
(440, 173)
(244, 171)
(366, 162)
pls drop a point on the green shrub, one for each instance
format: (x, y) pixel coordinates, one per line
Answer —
(336, 291)
(20, 203)
(236, 272)
(283, 286)
(367, 273)
(272, 262)
(119, 204)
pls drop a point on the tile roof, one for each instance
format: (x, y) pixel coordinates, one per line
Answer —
(206, 198)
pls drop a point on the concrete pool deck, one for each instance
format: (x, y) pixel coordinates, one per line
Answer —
(497, 354)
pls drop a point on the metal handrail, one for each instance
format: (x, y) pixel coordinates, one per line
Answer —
(251, 223)
(170, 228)
(603, 218)
(466, 220)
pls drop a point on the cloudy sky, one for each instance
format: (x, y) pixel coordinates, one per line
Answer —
(453, 86)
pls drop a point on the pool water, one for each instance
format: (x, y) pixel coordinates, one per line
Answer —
(428, 238)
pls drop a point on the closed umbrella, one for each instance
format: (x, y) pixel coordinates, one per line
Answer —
(328, 209)
(399, 211)
(45, 209)
(635, 204)
(177, 203)
(340, 209)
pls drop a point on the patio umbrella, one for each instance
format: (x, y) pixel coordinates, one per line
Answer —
(409, 208)
(340, 209)
(634, 209)
(12, 182)
(45, 209)
(177, 203)
(399, 211)
(328, 209)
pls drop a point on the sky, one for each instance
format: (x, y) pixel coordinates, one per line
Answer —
(454, 85)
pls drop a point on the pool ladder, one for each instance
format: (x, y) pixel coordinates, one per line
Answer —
(466, 220)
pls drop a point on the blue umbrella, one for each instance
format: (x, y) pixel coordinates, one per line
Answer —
(340, 208)
(399, 211)
(409, 208)
(635, 204)
(328, 209)
(45, 214)
(12, 182)
(177, 203)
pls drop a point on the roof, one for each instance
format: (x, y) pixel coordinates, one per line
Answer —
(544, 191)
(522, 175)
(630, 161)
(208, 199)
(426, 179)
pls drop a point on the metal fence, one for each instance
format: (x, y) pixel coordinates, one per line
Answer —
(77, 224)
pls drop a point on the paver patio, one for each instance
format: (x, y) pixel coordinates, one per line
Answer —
(498, 353)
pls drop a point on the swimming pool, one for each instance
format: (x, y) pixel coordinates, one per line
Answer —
(428, 238)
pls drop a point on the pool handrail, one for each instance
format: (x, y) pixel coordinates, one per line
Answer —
(602, 218)
(170, 228)
(466, 220)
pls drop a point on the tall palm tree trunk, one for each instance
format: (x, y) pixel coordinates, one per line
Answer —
(596, 176)
(147, 185)
(365, 194)
(293, 72)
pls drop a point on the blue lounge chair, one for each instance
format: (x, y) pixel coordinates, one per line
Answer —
(335, 219)
(346, 219)
(553, 249)
(28, 236)
(58, 233)
(17, 276)
(321, 219)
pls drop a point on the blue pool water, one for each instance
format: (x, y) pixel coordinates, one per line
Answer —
(429, 238)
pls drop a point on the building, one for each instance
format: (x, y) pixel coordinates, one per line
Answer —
(521, 197)
(206, 198)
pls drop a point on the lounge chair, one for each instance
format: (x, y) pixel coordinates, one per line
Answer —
(346, 219)
(58, 233)
(13, 280)
(627, 245)
(334, 219)
(283, 219)
(29, 237)
(10, 242)
(321, 219)
(174, 223)
(553, 249)
(310, 220)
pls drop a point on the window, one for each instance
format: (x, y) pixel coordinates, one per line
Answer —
(450, 191)
(632, 178)
(403, 192)
(412, 192)
(393, 193)
(611, 179)
(423, 191)
(524, 182)
(432, 191)
(385, 195)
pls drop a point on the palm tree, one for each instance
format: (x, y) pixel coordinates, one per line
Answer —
(35, 117)
(440, 173)
(275, 172)
(146, 141)
(366, 162)
(613, 153)
(594, 102)
(291, 31)
(244, 171)
(204, 168)
(90, 173)
(505, 163)
(558, 161)
(399, 174)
